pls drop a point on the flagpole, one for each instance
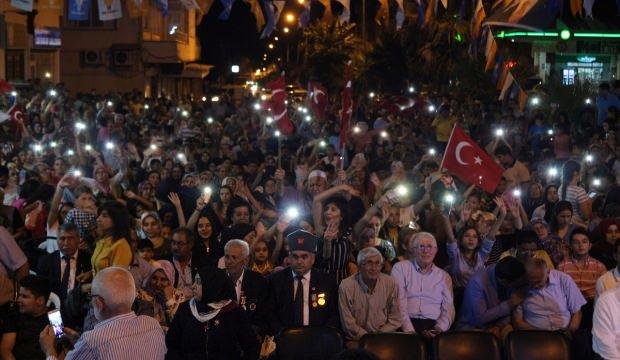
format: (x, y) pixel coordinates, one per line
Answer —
(279, 153)
(443, 158)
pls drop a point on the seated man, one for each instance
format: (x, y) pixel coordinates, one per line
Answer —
(584, 270)
(491, 295)
(527, 248)
(611, 279)
(553, 302)
(119, 334)
(606, 325)
(20, 338)
(425, 290)
(368, 301)
(301, 295)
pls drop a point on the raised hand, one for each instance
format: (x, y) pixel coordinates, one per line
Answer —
(174, 199)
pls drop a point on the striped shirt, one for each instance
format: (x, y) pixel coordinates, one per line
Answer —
(575, 195)
(585, 275)
(336, 264)
(123, 337)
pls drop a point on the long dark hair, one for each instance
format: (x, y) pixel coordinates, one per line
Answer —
(557, 209)
(568, 170)
(121, 220)
(548, 204)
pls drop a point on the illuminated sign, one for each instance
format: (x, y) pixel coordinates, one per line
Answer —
(586, 59)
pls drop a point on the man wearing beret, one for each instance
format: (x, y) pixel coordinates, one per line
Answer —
(302, 295)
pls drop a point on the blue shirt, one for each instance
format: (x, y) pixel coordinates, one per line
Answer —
(424, 295)
(551, 307)
(482, 306)
(604, 103)
(460, 269)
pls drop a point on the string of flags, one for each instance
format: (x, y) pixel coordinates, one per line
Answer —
(506, 82)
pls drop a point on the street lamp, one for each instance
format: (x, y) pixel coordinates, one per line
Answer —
(270, 46)
(48, 75)
(290, 18)
(286, 30)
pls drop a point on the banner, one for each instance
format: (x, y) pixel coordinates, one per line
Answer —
(109, 10)
(25, 5)
(79, 10)
(137, 8)
(51, 5)
(188, 4)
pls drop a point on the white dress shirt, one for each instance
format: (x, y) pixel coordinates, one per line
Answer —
(238, 284)
(606, 325)
(608, 281)
(72, 268)
(306, 283)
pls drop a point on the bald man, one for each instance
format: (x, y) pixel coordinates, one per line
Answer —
(119, 334)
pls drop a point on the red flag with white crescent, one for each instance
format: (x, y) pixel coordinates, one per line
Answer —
(347, 106)
(317, 99)
(278, 105)
(466, 159)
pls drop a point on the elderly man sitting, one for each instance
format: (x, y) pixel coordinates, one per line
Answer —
(553, 303)
(368, 301)
(425, 290)
(120, 334)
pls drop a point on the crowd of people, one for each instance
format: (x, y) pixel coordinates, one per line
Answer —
(188, 229)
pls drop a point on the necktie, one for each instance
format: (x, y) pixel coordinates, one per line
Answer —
(298, 303)
(64, 283)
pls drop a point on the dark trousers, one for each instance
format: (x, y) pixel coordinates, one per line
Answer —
(422, 324)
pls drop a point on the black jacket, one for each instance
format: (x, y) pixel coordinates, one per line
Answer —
(219, 338)
(49, 267)
(254, 300)
(281, 292)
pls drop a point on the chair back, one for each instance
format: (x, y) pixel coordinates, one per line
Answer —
(394, 346)
(466, 345)
(309, 343)
(537, 345)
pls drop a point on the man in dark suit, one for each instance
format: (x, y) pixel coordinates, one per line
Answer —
(63, 266)
(250, 286)
(301, 295)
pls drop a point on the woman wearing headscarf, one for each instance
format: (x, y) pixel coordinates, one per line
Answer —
(157, 290)
(150, 226)
(211, 325)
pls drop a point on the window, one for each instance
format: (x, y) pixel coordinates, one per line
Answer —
(156, 27)
(15, 65)
(93, 21)
(568, 76)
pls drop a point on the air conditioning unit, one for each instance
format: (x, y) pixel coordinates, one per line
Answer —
(91, 58)
(122, 58)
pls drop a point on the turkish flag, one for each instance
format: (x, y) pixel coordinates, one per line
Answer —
(317, 99)
(16, 112)
(278, 105)
(470, 163)
(347, 105)
(5, 87)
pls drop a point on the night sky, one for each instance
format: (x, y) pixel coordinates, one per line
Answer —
(236, 41)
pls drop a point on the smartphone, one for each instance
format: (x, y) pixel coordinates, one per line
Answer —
(391, 197)
(56, 322)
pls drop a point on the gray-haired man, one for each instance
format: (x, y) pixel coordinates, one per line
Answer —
(368, 301)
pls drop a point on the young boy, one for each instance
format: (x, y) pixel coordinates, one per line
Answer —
(145, 250)
(584, 270)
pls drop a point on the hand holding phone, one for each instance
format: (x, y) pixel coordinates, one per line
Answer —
(56, 323)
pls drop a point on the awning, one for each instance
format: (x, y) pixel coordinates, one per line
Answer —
(195, 70)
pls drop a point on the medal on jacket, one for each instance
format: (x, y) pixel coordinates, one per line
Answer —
(242, 301)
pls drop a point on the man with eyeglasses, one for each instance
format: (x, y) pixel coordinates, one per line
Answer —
(425, 290)
(185, 266)
(119, 334)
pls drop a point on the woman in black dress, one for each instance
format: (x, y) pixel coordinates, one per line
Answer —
(211, 325)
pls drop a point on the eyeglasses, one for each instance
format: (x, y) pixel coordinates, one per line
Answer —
(179, 243)
(424, 247)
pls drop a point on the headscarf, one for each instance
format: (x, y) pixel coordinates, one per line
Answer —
(216, 286)
(164, 265)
